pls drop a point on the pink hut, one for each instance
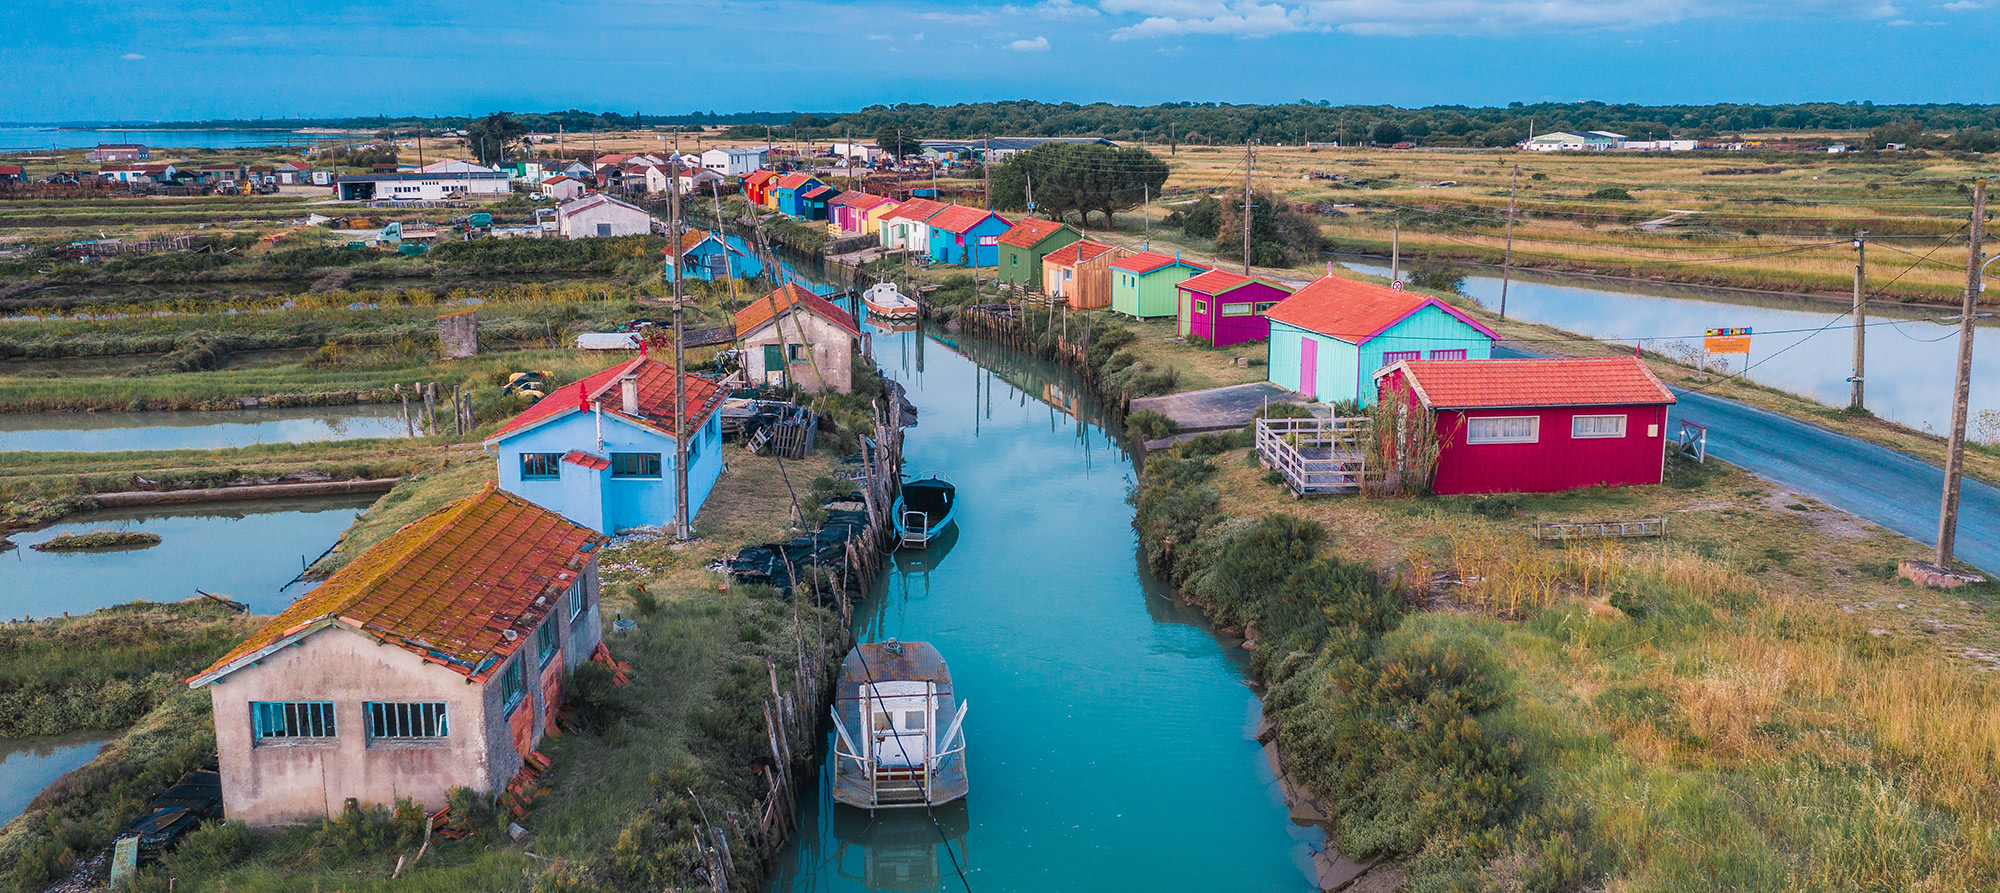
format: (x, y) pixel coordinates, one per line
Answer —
(1227, 308)
(1538, 426)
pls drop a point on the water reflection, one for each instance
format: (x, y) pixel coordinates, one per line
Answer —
(27, 765)
(903, 849)
(247, 550)
(1802, 346)
(95, 432)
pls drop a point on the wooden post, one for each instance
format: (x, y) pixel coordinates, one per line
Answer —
(1507, 260)
(1954, 457)
(409, 426)
(430, 406)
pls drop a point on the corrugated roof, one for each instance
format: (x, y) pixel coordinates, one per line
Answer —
(919, 209)
(791, 295)
(461, 587)
(1148, 261)
(1492, 384)
(656, 398)
(959, 218)
(1030, 231)
(1215, 282)
(1078, 252)
(1356, 311)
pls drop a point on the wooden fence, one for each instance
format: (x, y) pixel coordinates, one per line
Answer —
(1316, 456)
(1571, 530)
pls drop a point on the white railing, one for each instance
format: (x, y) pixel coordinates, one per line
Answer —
(1315, 455)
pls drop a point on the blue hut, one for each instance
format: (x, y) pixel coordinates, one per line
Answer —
(969, 237)
(711, 257)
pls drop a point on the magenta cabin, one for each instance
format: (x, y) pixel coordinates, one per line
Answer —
(1227, 308)
(1538, 426)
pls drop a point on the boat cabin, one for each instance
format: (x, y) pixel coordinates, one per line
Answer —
(900, 731)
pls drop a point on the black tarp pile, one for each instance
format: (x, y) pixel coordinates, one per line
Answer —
(784, 566)
(171, 814)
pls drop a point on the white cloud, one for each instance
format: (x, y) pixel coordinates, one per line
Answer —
(1900, 23)
(1038, 45)
(878, 37)
(1962, 5)
(131, 57)
(920, 36)
(1063, 10)
(1167, 18)
(1262, 18)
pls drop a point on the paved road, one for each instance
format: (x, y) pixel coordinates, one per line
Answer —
(1876, 483)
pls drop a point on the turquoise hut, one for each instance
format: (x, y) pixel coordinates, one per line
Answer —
(1330, 336)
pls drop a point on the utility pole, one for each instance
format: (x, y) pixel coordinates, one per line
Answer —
(986, 168)
(1954, 456)
(1860, 317)
(1248, 160)
(681, 531)
(1031, 190)
(1147, 190)
(1395, 252)
(1507, 260)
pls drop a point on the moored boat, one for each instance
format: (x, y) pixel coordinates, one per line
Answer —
(884, 301)
(925, 509)
(900, 729)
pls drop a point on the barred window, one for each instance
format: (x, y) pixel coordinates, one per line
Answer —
(514, 682)
(388, 720)
(540, 466)
(1503, 429)
(1397, 356)
(576, 599)
(545, 641)
(291, 720)
(1595, 426)
(625, 465)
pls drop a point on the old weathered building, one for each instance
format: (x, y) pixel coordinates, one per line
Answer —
(792, 336)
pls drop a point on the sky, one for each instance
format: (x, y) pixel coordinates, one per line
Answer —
(78, 60)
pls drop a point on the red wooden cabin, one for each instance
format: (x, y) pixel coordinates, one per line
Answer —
(1538, 426)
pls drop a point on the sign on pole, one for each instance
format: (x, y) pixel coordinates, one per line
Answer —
(1727, 341)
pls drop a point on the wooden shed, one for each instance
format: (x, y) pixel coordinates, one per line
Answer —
(1142, 285)
(1227, 308)
(1080, 273)
(1024, 245)
(1330, 336)
(1540, 425)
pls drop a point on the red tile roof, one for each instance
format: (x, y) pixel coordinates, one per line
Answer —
(859, 200)
(587, 460)
(959, 218)
(1490, 384)
(1355, 311)
(461, 587)
(820, 191)
(1215, 282)
(565, 178)
(14, 169)
(1148, 261)
(793, 181)
(791, 295)
(918, 209)
(656, 398)
(1030, 231)
(758, 176)
(1078, 252)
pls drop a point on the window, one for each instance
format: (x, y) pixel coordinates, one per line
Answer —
(797, 353)
(635, 465)
(694, 447)
(1236, 310)
(1200, 306)
(388, 720)
(604, 229)
(1397, 356)
(913, 720)
(545, 641)
(577, 601)
(1013, 260)
(1503, 429)
(291, 720)
(540, 466)
(1593, 426)
(514, 684)
(985, 241)
(1458, 354)
(1264, 306)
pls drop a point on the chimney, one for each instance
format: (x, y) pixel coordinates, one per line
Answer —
(628, 388)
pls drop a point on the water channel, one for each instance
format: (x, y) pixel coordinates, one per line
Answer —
(1801, 345)
(1111, 734)
(27, 765)
(97, 432)
(245, 550)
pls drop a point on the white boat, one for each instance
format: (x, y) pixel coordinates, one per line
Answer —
(901, 732)
(885, 302)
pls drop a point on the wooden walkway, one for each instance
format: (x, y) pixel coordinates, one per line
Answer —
(1315, 456)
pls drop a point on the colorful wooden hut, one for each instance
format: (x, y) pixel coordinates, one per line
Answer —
(907, 228)
(790, 193)
(758, 188)
(1143, 285)
(1330, 336)
(969, 237)
(1080, 273)
(1227, 308)
(1023, 246)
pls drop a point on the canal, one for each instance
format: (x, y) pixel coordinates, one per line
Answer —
(1111, 734)
(1801, 345)
(98, 432)
(27, 765)
(245, 550)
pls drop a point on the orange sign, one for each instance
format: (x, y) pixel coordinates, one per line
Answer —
(1727, 341)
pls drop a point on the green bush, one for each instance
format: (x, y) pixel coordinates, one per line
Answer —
(1241, 564)
(1172, 506)
(1147, 424)
(1610, 194)
(210, 849)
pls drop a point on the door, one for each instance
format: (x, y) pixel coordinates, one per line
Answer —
(1186, 313)
(899, 723)
(774, 363)
(1308, 367)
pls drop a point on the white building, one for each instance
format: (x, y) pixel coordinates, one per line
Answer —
(733, 162)
(1661, 145)
(598, 214)
(695, 180)
(1575, 141)
(451, 166)
(857, 153)
(420, 186)
(563, 188)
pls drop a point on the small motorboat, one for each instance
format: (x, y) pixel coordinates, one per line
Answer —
(924, 510)
(900, 731)
(886, 303)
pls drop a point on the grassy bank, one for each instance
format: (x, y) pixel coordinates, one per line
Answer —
(1751, 703)
(105, 669)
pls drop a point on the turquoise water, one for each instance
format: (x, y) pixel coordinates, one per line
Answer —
(21, 139)
(27, 765)
(1110, 735)
(95, 432)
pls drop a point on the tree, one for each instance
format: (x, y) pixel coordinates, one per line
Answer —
(490, 136)
(1277, 237)
(1079, 178)
(1387, 133)
(898, 140)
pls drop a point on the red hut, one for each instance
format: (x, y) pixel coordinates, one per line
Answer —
(1538, 426)
(1227, 308)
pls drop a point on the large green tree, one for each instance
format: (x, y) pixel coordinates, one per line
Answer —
(1078, 178)
(898, 139)
(490, 137)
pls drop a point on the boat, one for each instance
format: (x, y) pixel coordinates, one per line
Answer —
(900, 731)
(926, 508)
(884, 301)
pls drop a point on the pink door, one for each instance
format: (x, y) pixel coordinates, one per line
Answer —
(1308, 367)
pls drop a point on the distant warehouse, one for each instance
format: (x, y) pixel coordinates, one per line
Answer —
(422, 186)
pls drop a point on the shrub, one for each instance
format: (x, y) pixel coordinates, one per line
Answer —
(1610, 194)
(1150, 425)
(1241, 564)
(210, 849)
(1171, 507)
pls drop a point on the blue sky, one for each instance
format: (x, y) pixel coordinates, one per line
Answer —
(182, 59)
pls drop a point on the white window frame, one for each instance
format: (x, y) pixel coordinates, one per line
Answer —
(1573, 420)
(1534, 429)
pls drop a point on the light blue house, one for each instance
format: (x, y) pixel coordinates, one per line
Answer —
(969, 237)
(1329, 337)
(601, 451)
(714, 258)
